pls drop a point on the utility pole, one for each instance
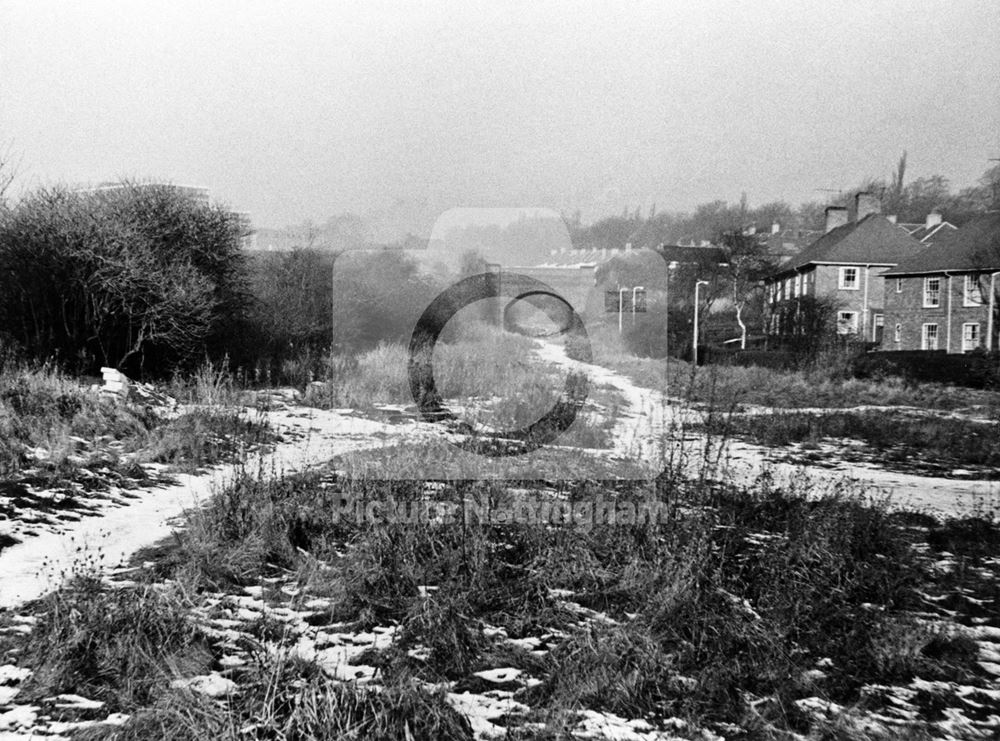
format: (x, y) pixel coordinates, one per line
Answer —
(697, 285)
(671, 266)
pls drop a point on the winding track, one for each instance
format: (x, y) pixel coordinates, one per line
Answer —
(654, 428)
(653, 417)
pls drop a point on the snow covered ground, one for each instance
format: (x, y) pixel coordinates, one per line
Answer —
(32, 567)
(122, 526)
(652, 417)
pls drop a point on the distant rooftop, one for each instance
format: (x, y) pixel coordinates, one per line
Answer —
(874, 240)
(974, 247)
(198, 192)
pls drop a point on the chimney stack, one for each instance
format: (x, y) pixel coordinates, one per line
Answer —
(892, 219)
(866, 204)
(933, 219)
(835, 216)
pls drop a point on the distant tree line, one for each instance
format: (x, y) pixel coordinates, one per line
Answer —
(143, 278)
(908, 201)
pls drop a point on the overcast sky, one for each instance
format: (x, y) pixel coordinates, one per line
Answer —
(301, 110)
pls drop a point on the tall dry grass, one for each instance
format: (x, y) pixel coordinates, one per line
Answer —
(42, 408)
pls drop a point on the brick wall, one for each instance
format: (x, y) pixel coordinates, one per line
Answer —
(906, 308)
(827, 284)
(823, 282)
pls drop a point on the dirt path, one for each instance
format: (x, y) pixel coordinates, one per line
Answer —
(652, 418)
(652, 429)
(38, 564)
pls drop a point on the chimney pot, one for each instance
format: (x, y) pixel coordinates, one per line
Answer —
(933, 219)
(835, 216)
(866, 204)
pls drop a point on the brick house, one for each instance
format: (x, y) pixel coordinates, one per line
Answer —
(843, 267)
(945, 297)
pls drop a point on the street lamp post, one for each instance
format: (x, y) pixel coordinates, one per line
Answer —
(671, 266)
(621, 307)
(634, 291)
(697, 285)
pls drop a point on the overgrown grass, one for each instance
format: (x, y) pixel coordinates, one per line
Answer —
(485, 365)
(826, 384)
(285, 699)
(738, 594)
(42, 408)
(53, 424)
(120, 646)
(734, 604)
(212, 384)
(943, 441)
(203, 437)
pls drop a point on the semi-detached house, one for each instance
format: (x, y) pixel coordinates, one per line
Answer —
(844, 267)
(945, 297)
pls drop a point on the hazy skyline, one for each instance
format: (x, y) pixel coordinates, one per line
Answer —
(305, 110)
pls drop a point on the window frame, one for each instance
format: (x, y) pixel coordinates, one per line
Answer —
(925, 336)
(978, 340)
(899, 285)
(842, 276)
(878, 320)
(972, 278)
(927, 292)
(897, 333)
(851, 324)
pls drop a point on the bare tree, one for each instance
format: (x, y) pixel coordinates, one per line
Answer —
(8, 171)
(748, 264)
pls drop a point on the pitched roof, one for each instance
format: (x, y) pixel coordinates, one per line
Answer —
(973, 247)
(686, 255)
(787, 243)
(931, 234)
(873, 240)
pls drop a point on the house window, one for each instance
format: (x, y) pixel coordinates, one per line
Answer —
(877, 329)
(932, 293)
(930, 337)
(970, 336)
(849, 279)
(897, 334)
(847, 322)
(805, 284)
(798, 285)
(899, 285)
(972, 295)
